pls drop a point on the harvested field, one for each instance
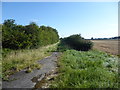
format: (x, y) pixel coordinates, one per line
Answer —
(109, 46)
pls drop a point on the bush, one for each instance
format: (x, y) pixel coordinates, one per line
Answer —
(63, 47)
(76, 42)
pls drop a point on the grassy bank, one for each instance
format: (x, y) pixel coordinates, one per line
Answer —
(91, 69)
(17, 60)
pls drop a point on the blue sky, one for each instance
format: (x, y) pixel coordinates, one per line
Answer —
(90, 19)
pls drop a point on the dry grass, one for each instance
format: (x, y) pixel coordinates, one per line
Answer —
(21, 59)
(109, 46)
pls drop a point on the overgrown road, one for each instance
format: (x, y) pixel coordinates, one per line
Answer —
(30, 80)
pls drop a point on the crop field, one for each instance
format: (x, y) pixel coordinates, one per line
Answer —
(109, 46)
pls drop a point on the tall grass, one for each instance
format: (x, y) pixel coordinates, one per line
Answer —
(24, 59)
(92, 69)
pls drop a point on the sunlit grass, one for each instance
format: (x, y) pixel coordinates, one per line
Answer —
(24, 59)
(92, 69)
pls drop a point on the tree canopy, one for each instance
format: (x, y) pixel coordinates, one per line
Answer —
(30, 36)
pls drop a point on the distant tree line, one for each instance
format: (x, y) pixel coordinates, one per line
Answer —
(118, 37)
(30, 36)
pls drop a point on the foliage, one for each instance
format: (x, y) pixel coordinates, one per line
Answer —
(92, 69)
(48, 35)
(75, 42)
(62, 46)
(30, 36)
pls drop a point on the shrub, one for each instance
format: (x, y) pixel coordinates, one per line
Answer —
(75, 42)
(63, 47)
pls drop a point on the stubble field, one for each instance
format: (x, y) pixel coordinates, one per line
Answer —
(109, 46)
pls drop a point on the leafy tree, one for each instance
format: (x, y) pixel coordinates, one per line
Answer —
(48, 35)
(30, 36)
(91, 38)
(10, 23)
(32, 30)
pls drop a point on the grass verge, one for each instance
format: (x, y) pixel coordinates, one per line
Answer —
(24, 59)
(91, 69)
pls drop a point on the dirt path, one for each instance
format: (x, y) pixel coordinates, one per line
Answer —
(27, 80)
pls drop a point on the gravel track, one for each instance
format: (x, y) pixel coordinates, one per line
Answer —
(24, 80)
